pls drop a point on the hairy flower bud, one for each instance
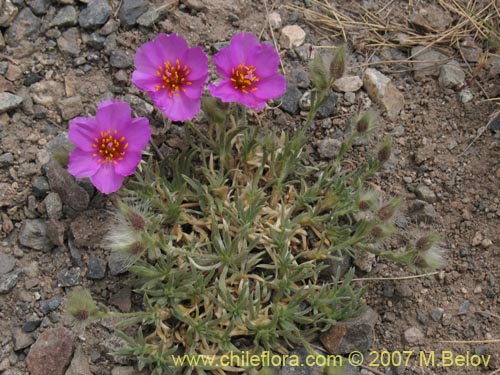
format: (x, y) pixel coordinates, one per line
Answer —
(319, 76)
(384, 152)
(386, 212)
(425, 243)
(213, 109)
(81, 306)
(337, 66)
(365, 122)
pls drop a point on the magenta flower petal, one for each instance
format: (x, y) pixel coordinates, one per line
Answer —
(246, 44)
(114, 149)
(266, 60)
(140, 132)
(180, 108)
(113, 114)
(82, 132)
(82, 164)
(145, 81)
(172, 74)
(270, 87)
(249, 72)
(106, 180)
(130, 161)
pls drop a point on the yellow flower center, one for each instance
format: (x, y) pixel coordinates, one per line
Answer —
(110, 147)
(173, 77)
(243, 78)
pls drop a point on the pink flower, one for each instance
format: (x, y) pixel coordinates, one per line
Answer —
(108, 147)
(249, 71)
(173, 75)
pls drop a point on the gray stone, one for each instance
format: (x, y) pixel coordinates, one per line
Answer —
(46, 92)
(465, 96)
(70, 277)
(39, 7)
(431, 18)
(7, 263)
(33, 234)
(64, 184)
(118, 263)
(53, 205)
(96, 268)
(66, 16)
(120, 59)
(150, 17)
(31, 324)
(196, 5)
(426, 63)
(464, 307)
(2, 46)
(423, 211)
(305, 101)
(51, 304)
(95, 40)
(95, 14)
(328, 109)
(21, 339)
(9, 101)
(383, 92)
(70, 107)
(451, 75)
(8, 12)
(348, 84)
(9, 281)
(109, 27)
(470, 50)
(79, 364)
(51, 353)
(25, 26)
(413, 335)
(437, 314)
(90, 227)
(290, 100)
(131, 10)
(69, 42)
(329, 148)
(352, 334)
(141, 107)
(40, 186)
(424, 193)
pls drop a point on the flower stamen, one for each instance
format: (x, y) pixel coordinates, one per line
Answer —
(174, 77)
(110, 148)
(244, 78)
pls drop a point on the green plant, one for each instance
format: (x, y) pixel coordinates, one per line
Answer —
(231, 242)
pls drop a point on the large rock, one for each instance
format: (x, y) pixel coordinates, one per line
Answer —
(33, 234)
(450, 75)
(8, 12)
(79, 363)
(292, 36)
(51, 353)
(353, 334)
(66, 16)
(9, 101)
(25, 26)
(426, 62)
(131, 10)
(64, 184)
(431, 18)
(383, 92)
(95, 14)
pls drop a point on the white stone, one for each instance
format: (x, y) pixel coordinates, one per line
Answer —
(275, 20)
(292, 36)
(348, 84)
(383, 92)
(413, 335)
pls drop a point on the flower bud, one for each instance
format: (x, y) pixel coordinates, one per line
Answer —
(337, 66)
(81, 306)
(426, 243)
(318, 74)
(384, 152)
(367, 200)
(365, 122)
(386, 212)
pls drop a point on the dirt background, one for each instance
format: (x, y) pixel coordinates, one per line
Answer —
(440, 142)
